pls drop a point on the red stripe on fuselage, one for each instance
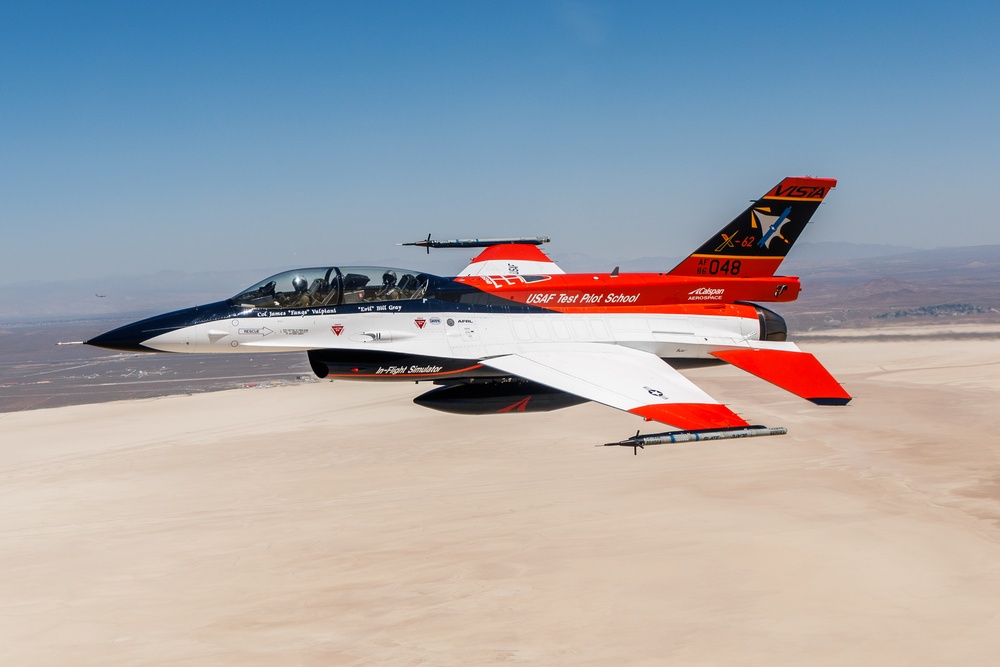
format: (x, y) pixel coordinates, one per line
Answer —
(633, 292)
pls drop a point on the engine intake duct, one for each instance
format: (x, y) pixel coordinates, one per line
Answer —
(496, 397)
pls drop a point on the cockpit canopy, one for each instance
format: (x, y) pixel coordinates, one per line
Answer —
(331, 286)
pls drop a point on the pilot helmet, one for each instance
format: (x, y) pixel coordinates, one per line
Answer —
(299, 284)
(389, 278)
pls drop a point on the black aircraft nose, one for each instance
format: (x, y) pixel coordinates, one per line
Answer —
(130, 338)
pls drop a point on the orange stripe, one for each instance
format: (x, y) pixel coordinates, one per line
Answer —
(713, 256)
(690, 416)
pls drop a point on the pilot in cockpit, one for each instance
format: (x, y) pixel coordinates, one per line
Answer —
(299, 297)
(388, 291)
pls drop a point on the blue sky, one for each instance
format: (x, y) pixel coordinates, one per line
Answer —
(143, 136)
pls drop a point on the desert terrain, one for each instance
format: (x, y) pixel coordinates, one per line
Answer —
(338, 524)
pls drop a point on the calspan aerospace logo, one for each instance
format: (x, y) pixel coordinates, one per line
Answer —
(706, 294)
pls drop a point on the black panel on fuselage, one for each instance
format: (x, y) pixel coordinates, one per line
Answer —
(383, 365)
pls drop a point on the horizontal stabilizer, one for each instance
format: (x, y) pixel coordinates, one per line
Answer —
(797, 372)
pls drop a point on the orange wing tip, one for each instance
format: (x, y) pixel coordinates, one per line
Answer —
(797, 372)
(691, 416)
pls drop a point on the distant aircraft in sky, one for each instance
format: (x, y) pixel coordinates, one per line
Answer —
(514, 333)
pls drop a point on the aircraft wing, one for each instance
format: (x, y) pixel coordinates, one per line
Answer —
(623, 378)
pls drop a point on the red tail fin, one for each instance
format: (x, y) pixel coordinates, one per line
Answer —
(754, 243)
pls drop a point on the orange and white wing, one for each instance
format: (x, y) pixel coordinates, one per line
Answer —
(622, 378)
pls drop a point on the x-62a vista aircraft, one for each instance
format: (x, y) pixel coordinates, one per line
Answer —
(514, 333)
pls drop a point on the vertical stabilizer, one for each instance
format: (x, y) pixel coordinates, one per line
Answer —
(757, 240)
(511, 259)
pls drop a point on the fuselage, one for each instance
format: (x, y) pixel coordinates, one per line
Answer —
(377, 323)
(514, 332)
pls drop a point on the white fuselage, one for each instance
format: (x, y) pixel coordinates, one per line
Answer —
(463, 335)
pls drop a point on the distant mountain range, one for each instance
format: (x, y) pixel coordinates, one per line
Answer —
(871, 290)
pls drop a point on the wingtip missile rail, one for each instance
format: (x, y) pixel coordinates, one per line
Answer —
(476, 243)
(637, 442)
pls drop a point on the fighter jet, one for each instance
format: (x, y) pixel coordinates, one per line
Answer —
(514, 333)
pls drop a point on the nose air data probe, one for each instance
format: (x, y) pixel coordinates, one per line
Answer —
(514, 333)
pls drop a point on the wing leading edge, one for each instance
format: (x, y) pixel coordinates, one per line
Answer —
(622, 378)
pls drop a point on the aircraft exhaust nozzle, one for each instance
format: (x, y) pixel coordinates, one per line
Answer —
(772, 325)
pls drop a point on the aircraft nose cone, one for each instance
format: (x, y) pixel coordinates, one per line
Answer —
(131, 337)
(128, 338)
